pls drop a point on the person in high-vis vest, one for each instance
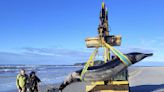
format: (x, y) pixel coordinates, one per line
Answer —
(21, 81)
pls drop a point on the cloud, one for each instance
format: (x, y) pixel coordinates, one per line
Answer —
(154, 42)
(131, 49)
(56, 52)
(44, 56)
(20, 58)
(156, 45)
(57, 56)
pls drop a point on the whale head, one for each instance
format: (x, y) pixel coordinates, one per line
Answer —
(135, 57)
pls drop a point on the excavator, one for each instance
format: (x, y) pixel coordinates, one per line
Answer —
(118, 83)
(109, 74)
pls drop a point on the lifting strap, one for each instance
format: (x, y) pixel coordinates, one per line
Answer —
(120, 55)
(90, 62)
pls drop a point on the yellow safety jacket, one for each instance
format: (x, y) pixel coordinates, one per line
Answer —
(21, 80)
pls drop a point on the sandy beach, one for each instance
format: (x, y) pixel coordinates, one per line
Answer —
(141, 79)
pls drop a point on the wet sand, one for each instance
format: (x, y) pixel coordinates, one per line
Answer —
(141, 79)
(146, 79)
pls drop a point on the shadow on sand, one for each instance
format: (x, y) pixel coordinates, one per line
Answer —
(147, 88)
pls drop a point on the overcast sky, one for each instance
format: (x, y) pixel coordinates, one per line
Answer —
(53, 31)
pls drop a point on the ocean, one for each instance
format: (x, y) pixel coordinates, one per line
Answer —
(49, 74)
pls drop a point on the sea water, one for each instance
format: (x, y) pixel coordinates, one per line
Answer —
(49, 74)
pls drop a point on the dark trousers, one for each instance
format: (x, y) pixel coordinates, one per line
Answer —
(33, 90)
(24, 89)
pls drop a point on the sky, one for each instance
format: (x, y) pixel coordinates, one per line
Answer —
(54, 31)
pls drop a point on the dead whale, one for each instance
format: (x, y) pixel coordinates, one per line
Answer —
(105, 71)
